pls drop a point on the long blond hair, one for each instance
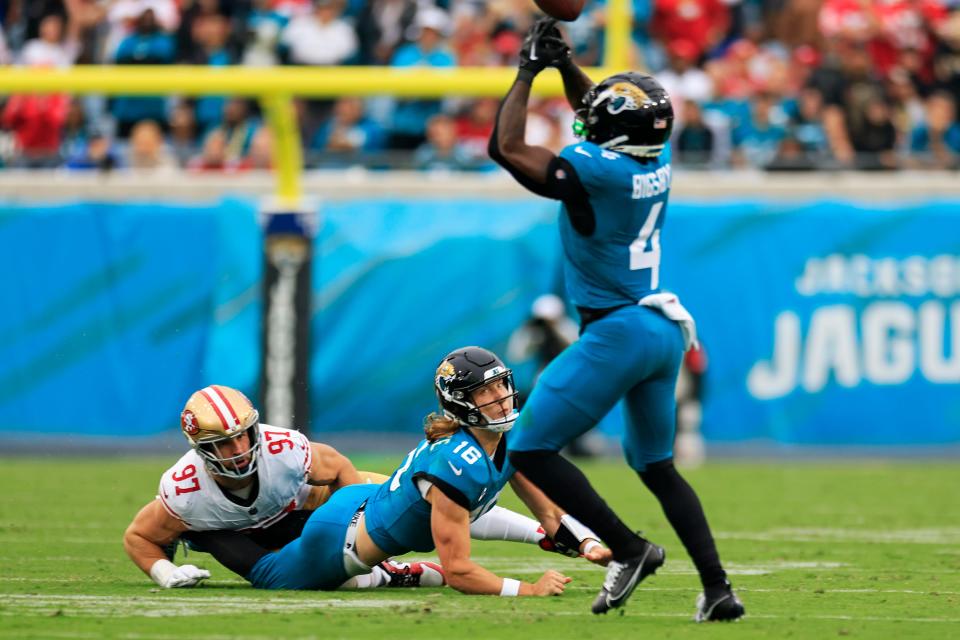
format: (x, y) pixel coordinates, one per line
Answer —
(437, 426)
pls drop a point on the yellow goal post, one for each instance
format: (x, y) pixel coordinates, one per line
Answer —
(275, 87)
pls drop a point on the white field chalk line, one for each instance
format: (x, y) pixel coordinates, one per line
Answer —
(114, 606)
(318, 600)
(936, 535)
(140, 611)
(806, 591)
(148, 636)
(947, 535)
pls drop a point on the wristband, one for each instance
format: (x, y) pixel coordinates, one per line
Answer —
(590, 546)
(510, 587)
(161, 570)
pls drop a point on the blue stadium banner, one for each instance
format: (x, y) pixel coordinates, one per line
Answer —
(399, 284)
(825, 323)
(112, 314)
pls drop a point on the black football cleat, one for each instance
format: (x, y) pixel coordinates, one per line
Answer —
(623, 577)
(724, 605)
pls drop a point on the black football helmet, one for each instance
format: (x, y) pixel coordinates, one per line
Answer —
(628, 112)
(465, 370)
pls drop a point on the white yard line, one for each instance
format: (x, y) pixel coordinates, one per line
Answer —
(790, 618)
(793, 618)
(318, 599)
(217, 583)
(675, 567)
(145, 636)
(213, 583)
(106, 541)
(150, 607)
(160, 607)
(946, 536)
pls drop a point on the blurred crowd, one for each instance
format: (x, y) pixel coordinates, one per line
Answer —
(772, 84)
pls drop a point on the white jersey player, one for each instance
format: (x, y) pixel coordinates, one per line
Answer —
(189, 492)
(241, 475)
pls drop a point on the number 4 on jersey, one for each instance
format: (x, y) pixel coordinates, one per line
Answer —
(640, 258)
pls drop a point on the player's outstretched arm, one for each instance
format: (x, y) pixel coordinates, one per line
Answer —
(450, 525)
(330, 467)
(529, 164)
(566, 534)
(152, 528)
(576, 83)
(546, 511)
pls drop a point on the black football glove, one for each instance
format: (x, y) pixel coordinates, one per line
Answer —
(543, 47)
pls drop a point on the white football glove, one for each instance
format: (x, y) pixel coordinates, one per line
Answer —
(170, 576)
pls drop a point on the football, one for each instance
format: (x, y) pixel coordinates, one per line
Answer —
(561, 9)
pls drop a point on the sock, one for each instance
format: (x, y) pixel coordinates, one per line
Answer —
(503, 524)
(376, 578)
(566, 485)
(683, 510)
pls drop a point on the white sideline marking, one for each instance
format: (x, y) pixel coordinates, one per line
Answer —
(113, 606)
(216, 583)
(947, 535)
(672, 567)
(100, 541)
(853, 618)
(771, 616)
(808, 591)
(140, 636)
(158, 607)
(37, 559)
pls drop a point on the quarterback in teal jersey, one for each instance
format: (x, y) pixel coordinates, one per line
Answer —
(613, 188)
(450, 479)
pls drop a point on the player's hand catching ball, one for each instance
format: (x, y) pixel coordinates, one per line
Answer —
(543, 47)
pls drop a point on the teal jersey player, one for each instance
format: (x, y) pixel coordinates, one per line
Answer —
(614, 187)
(619, 263)
(398, 514)
(449, 480)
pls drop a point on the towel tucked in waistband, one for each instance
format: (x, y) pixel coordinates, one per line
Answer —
(669, 305)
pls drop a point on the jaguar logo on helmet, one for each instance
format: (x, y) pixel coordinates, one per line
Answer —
(623, 97)
(446, 370)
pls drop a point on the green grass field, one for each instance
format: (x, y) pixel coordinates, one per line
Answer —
(816, 550)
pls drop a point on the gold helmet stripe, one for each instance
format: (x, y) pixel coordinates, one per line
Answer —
(222, 406)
